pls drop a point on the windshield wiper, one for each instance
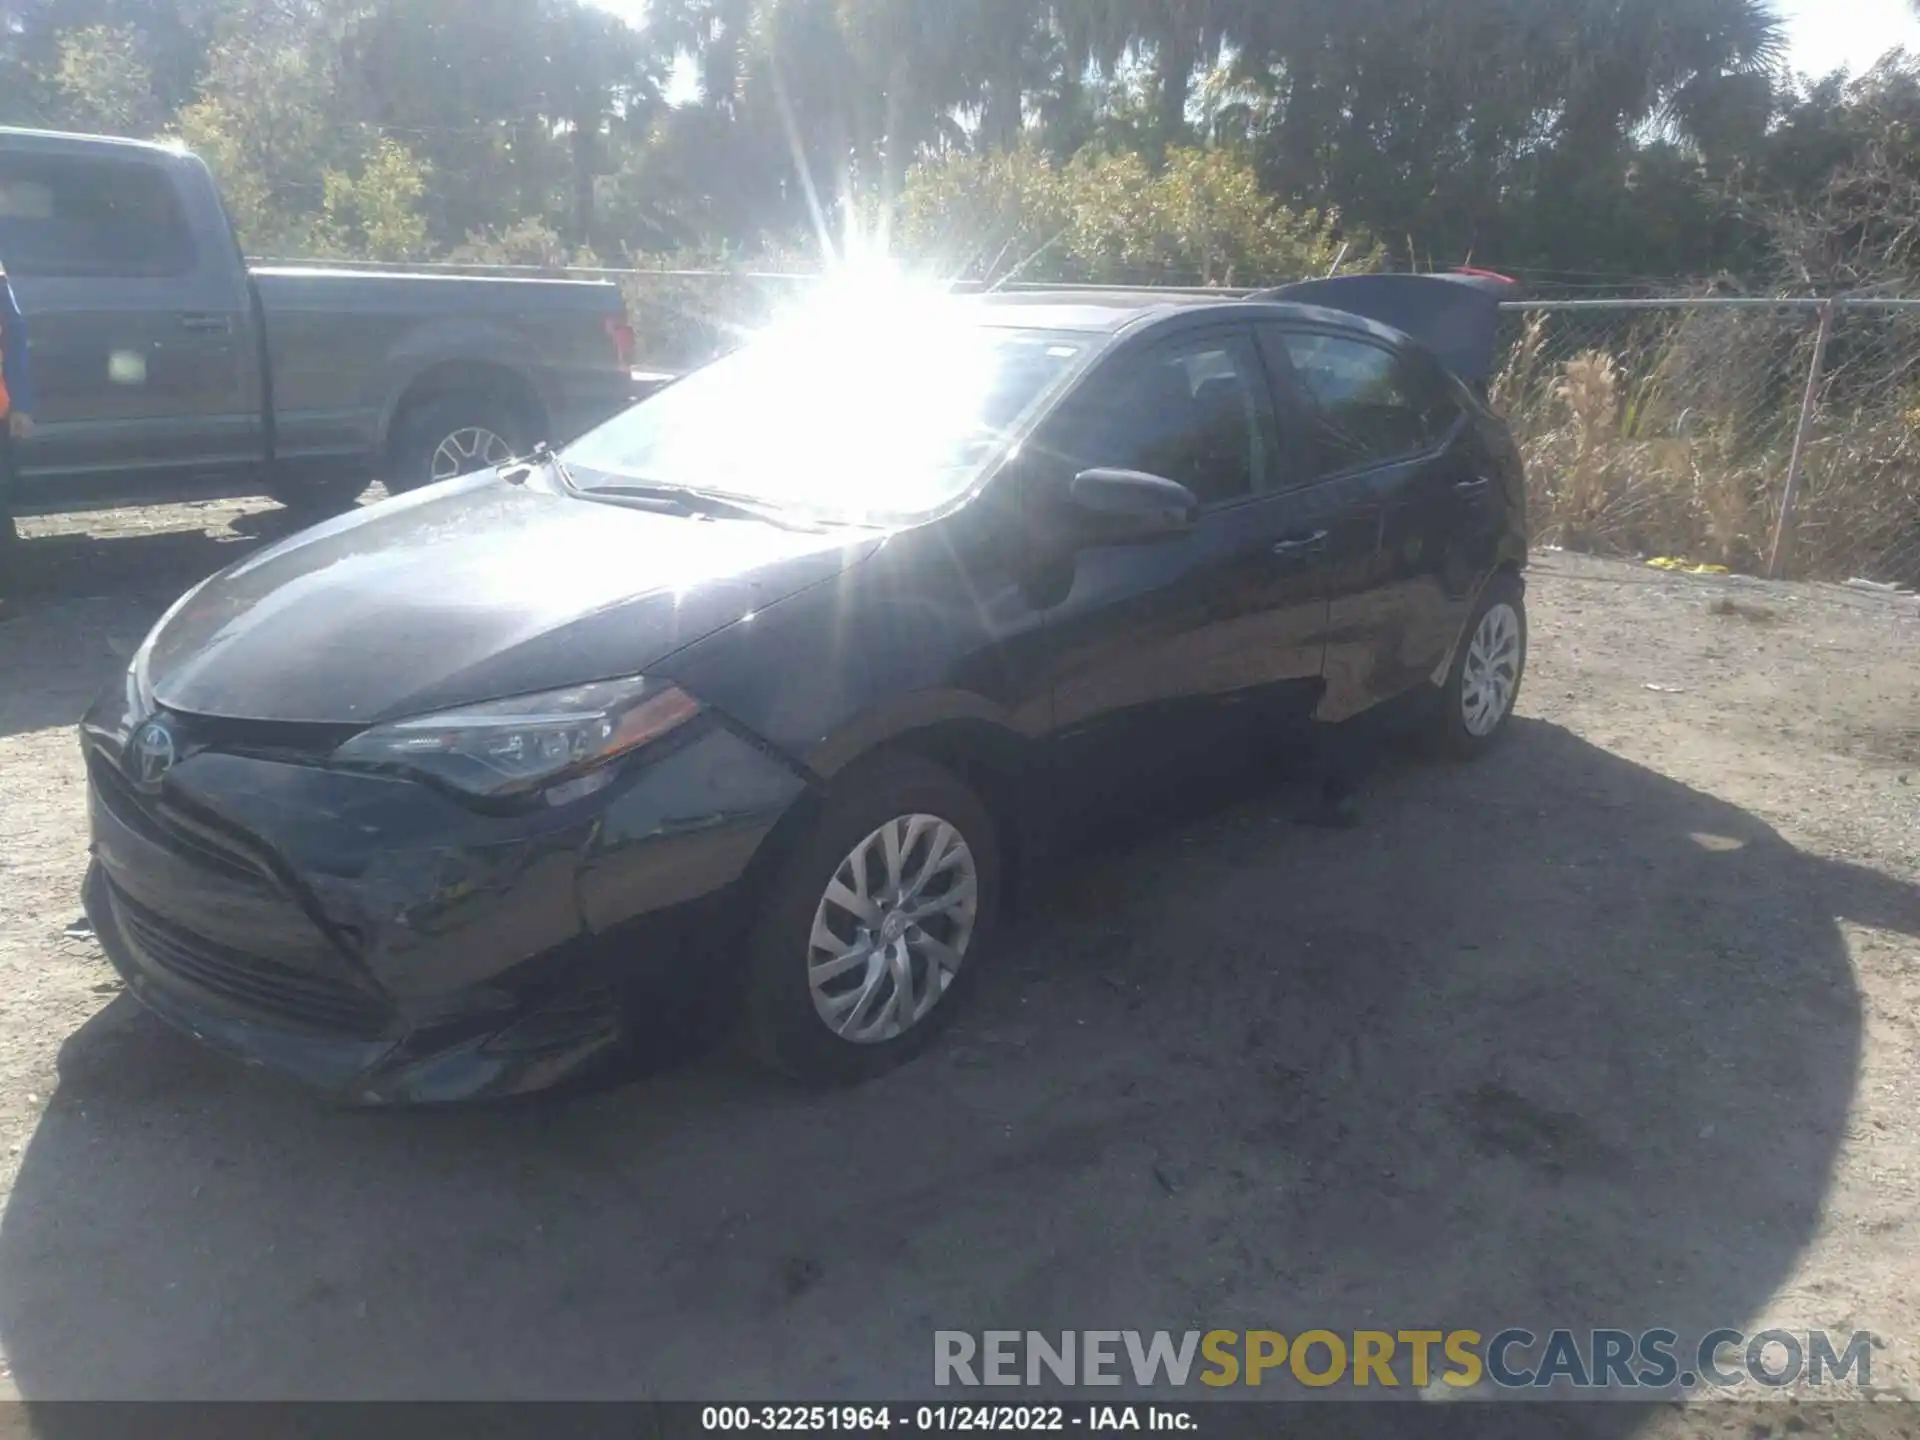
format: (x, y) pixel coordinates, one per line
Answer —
(696, 502)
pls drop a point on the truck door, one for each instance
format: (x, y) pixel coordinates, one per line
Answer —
(139, 321)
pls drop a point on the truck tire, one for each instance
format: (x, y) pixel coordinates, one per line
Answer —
(452, 435)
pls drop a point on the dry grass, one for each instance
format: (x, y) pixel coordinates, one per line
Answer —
(1674, 439)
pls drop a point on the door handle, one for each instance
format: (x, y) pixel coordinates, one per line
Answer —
(207, 324)
(1469, 489)
(1301, 545)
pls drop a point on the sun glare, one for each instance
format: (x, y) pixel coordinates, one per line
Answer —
(874, 383)
(877, 394)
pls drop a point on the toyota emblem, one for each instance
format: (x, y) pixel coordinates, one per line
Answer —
(151, 754)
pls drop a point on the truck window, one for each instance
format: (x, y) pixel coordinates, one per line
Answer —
(88, 216)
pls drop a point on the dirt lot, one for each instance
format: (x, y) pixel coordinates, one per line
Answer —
(1617, 1029)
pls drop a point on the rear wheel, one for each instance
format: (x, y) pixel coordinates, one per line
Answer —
(875, 926)
(1475, 705)
(455, 435)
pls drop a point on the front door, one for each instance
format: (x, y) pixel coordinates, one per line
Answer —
(1175, 644)
(139, 341)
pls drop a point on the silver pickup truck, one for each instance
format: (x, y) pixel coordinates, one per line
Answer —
(165, 368)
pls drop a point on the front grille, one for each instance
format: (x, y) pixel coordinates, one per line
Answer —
(301, 998)
(163, 826)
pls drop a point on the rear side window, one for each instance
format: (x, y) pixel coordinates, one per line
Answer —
(88, 216)
(1368, 406)
(1194, 410)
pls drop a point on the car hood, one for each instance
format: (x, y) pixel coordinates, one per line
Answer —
(472, 590)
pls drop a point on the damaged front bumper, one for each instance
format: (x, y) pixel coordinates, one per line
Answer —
(375, 939)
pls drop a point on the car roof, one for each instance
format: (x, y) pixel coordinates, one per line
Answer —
(59, 142)
(1102, 311)
(1108, 312)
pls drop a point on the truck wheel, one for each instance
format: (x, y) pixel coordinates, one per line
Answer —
(319, 498)
(455, 435)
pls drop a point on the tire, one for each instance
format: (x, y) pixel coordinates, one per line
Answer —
(320, 497)
(453, 435)
(1461, 727)
(784, 1024)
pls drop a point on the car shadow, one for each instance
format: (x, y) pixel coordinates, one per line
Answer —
(1552, 1040)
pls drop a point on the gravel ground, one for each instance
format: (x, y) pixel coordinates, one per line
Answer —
(1615, 1029)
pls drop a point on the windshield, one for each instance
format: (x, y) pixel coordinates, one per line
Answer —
(877, 422)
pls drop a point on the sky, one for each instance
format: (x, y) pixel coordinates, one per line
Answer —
(1822, 35)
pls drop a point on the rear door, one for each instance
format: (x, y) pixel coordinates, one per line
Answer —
(141, 340)
(1390, 445)
(1176, 641)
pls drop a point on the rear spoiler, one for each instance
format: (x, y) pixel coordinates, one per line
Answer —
(1456, 315)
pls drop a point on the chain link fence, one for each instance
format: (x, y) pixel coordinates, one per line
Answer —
(1776, 437)
(1664, 427)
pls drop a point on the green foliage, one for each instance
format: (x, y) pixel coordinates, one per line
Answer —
(1109, 217)
(528, 242)
(376, 213)
(988, 216)
(103, 83)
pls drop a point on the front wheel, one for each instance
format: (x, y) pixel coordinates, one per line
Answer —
(1476, 703)
(875, 926)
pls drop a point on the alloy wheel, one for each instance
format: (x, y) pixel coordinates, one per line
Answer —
(467, 450)
(892, 929)
(1491, 675)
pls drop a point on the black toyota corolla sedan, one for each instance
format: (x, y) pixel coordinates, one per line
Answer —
(785, 673)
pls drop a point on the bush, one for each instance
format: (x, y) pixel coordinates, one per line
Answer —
(1201, 219)
(529, 242)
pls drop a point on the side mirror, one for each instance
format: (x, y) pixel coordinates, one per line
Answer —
(1133, 505)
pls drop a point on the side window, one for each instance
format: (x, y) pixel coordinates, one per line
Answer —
(1195, 410)
(112, 218)
(1368, 407)
(1439, 394)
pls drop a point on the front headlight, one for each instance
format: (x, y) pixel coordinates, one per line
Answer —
(559, 743)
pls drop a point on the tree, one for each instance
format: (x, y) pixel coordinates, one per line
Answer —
(1623, 137)
(1200, 219)
(375, 212)
(103, 84)
(277, 122)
